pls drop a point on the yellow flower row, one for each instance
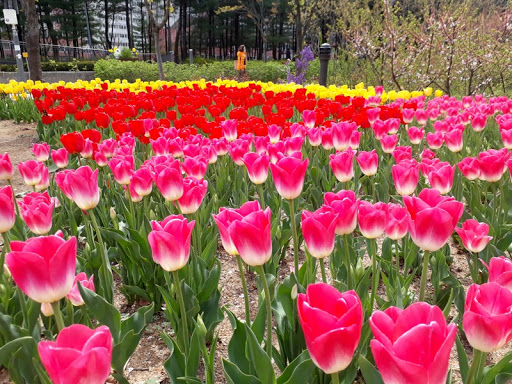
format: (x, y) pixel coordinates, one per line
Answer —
(24, 88)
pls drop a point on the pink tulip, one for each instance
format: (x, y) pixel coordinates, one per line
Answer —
(412, 345)
(332, 323)
(292, 145)
(500, 271)
(43, 267)
(388, 143)
(261, 144)
(122, 168)
(421, 116)
(470, 168)
(408, 115)
(487, 319)
(435, 140)
(406, 175)
(41, 151)
(74, 295)
(160, 146)
(274, 133)
(415, 135)
(100, 159)
(381, 129)
(506, 137)
(402, 153)
(372, 114)
(327, 141)
(31, 171)
(345, 205)
(78, 355)
(372, 219)
(309, 118)
(368, 162)
(45, 180)
(107, 147)
(36, 211)
(60, 157)
(297, 130)
(288, 174)
(398, 222)
(169, 179)
(314, 136)
(251, 236)
(237, 150)
(142, 181)
(227, 216)
(355, 140)
(88, 149)
(492, 164)
(170, 242)
(341, 134)
(318, 230)
(453, 140)
(194, 191)
(6, 171)
(441, 178)
(229, 129)
(433, 218)
(257, 167)
(479, 121)
(195, 166)
(427, 154)
(7, 213)
(81, 185)
(474, 235)
(342, 165)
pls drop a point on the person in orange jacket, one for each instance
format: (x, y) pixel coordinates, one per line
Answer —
(241, 62)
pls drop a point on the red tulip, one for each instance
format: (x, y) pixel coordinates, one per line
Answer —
(500, 271)
(252, 238)
(288, 174)
(470, 168)
(194, 191)
(74, 295)
(36, 210)
(31, 171)
(169, 179)
(372, 219)
(60, 157)
(227, 216)
(43, 267)
(342, 165)
(398, 221)
(368, 162)
(6, 171)
(196, 166)
(406, 175)
(81, 186)
(345, 205)
(487, 319)
(7, 213)
(318, 230)
(257, 167)
(441, 178)
(412, 345)
(122, 168)
(433, 218)
(73, 142)
(474, 235)
(78, 355)
(332, 323)
(142, 181)
(170, 242)
(41, 151)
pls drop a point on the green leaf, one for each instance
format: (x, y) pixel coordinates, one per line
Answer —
(234, 375)
(192, 359)
(236, 346)
(299, 371)
(503, 365)
(175, 365)
(370, 373)
(259, 358)
(463, 360)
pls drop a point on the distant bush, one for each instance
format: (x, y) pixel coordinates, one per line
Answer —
(52, 66)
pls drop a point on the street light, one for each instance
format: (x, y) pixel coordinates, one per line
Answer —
(10, 18)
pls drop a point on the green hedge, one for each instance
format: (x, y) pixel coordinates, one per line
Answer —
(52, 66)
(131, 71)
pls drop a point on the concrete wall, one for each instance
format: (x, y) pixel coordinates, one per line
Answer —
(53, 77)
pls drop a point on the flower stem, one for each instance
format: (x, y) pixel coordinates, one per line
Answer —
(183, 311)
(397, 258)
(295, 238)
(322, 270)
(58, 315)
(335, 378)
(262, 196)
(106, 271)
(375, 274)
(424, 271)
(348, 263)
(476, 366)
(14, 196)
(266, 291)
(246, 294)
(7, 243)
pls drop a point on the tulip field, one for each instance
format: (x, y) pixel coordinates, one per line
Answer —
(370, 233)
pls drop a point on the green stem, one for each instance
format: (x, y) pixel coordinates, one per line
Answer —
(246, 294)
(58, 315)
(104, 261)
(262, 196)
(397, 258)
(348, 263)
(375, 275)
(424, 271)
(322, 270)
(183, 311)
(266, 291)
(475, 370)
(132, 208)
(295, 238)
(14, 196)
(335, 378)
(7, 243)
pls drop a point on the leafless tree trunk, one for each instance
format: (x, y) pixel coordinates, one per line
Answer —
(156, 27)
(32, 39)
